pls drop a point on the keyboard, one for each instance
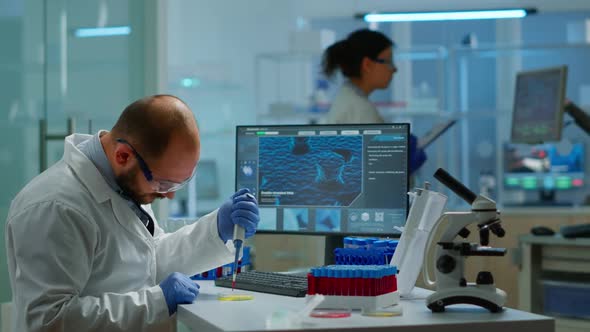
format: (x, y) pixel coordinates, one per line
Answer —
(573, 231)
(267, 282)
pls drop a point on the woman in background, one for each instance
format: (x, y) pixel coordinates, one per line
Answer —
(365, 59)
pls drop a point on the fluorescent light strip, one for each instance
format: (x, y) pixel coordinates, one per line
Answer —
(447, 16)
(102, 32)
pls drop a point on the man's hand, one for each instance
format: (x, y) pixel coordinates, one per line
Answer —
(178, 289)
(240, 209)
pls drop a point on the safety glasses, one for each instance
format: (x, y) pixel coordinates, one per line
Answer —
(159, 186)
(387, 62)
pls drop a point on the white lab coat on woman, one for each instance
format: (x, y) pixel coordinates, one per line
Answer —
(81, 260)
(351, 105)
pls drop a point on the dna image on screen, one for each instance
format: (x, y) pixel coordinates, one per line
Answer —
(310, 170)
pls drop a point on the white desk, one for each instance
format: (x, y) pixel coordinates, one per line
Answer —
(209, 314)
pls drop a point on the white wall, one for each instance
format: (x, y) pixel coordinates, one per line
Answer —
(216, 42)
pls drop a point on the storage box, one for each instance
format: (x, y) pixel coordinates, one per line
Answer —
(566, 299)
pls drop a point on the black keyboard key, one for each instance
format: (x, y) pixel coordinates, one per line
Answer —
(267, 282)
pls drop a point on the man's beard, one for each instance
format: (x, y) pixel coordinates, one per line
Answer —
(126, 182)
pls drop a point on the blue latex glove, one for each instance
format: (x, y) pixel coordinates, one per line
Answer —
(417, 155)
(178, 289)
(242, 209)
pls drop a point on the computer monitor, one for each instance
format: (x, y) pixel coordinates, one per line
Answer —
(538, 105)
(333, 180)
(545, 168)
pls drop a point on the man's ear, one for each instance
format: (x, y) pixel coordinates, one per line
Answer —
(122, 155)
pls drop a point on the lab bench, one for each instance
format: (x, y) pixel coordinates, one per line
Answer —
(208, 314)
(553, 280)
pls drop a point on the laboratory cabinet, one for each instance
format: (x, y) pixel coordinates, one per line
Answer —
(553, 280)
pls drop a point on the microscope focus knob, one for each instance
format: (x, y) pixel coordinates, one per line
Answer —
(445, 264)
(484, 278)
(498, 230)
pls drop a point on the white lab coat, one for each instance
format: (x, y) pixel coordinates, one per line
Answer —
(81, 260)
(352, 106)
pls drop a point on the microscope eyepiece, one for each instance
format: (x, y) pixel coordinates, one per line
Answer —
(457, 187)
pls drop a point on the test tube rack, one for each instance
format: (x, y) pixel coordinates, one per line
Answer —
(365, 303)
(365, 287)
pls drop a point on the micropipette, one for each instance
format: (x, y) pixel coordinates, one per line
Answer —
(238, 239)
(239, 235)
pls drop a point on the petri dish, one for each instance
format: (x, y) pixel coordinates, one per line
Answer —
(234, 297)
(396, 311)
(381, 314)
(330, 313)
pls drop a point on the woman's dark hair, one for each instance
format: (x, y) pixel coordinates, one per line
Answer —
(347, 54)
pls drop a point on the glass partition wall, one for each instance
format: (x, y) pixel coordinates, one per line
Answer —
(65, 66)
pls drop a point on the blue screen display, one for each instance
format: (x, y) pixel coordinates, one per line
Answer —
(326, 179)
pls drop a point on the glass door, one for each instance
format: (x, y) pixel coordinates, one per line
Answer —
(66, 66)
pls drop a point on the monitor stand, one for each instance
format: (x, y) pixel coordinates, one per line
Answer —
(332, 242)
(546, 196)
(546, 199)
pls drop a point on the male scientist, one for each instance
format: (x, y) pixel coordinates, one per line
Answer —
(85, 252)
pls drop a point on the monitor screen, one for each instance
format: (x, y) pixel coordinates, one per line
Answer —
(544, 167)
(326, 179)
(538, 105)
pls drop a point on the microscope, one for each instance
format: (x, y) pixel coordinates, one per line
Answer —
(451, 286)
